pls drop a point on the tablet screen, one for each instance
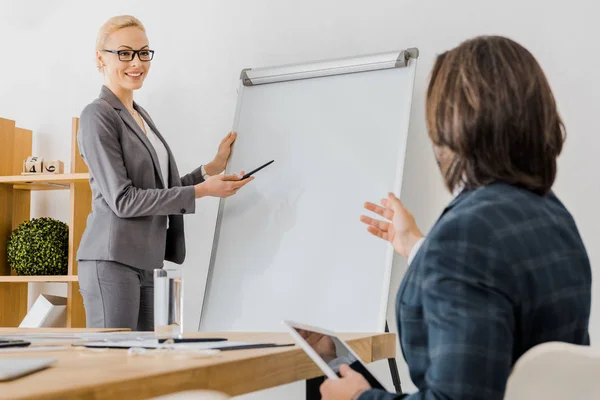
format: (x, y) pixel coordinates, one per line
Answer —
(335, 353)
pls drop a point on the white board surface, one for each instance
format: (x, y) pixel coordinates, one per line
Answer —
(290, 244)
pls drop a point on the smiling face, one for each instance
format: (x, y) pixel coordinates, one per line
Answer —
(125, 75)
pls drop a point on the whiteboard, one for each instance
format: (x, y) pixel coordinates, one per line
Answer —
(290, 244)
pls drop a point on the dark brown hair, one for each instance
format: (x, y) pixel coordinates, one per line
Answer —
(489, 103)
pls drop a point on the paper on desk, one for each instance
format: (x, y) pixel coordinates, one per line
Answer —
(153, 344)
(48, 337)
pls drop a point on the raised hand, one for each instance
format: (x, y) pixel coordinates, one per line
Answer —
(402, 232)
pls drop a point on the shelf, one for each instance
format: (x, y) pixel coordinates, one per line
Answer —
(38, 278)
(16, 144)
(44, 181)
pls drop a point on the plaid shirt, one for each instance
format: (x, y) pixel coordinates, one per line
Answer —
(502, 271)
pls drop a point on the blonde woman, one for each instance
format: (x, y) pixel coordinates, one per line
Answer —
(138, 196)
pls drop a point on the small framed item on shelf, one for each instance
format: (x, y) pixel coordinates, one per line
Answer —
(36, 165)
(53, 167)
(33, 165)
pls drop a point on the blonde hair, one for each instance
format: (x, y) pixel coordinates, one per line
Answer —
(111, 26)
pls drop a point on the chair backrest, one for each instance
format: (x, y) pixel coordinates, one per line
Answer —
(556, 370)
(194, 395)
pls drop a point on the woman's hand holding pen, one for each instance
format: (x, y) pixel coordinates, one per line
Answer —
(221, 185)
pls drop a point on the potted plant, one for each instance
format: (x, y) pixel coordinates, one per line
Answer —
(39, 247)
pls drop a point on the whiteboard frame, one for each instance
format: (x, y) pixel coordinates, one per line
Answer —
(318, 69)
(259, 76)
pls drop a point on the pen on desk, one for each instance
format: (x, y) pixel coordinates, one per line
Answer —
(193, 340)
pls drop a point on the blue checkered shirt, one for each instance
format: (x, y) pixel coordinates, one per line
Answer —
(502, 271)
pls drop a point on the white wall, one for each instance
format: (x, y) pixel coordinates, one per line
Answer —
(47, 76)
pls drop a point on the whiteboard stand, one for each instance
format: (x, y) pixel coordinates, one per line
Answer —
(394, 369)
(273, 257)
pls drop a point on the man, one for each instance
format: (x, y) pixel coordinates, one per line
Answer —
(504, 268)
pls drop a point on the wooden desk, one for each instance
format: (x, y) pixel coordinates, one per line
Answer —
(112, 374)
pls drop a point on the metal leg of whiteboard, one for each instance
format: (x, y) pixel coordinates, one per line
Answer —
(313, 388)
(394, 368)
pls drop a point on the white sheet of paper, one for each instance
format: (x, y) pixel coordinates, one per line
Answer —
(153, 343)
(49, 337)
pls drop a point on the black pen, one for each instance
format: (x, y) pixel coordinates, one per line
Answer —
(193, 340)
(249, 174)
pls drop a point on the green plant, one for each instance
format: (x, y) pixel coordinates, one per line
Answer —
(39, 247)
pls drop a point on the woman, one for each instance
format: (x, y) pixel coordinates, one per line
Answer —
(504, 268)
(138, 197)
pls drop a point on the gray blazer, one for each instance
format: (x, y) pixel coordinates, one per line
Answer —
(130, 202)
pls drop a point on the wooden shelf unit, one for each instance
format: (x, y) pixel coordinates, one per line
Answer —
(15, 206)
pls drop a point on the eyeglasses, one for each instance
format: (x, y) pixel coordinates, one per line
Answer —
(128, 55)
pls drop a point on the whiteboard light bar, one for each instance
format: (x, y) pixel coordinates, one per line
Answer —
(260, 76)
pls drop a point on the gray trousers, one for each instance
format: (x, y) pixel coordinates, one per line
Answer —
(116, 295)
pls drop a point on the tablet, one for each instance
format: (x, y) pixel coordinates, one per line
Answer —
(12, 368)
(328, 351)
